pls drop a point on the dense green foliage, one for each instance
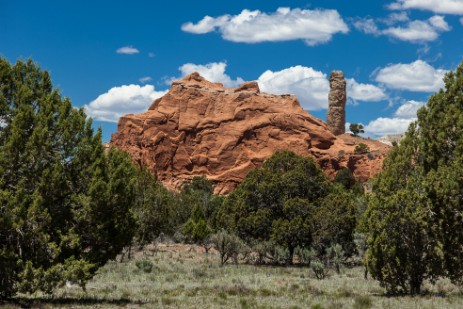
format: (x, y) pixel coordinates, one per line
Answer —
(345, 178)
(290, 201)
(196, 228)
(335, 220)
(267, 201)
(64, 204)
(154, 209)
(414, 217)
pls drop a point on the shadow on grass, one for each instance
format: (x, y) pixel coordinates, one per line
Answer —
(41, 302)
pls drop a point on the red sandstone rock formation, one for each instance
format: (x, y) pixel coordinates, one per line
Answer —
(201, 128)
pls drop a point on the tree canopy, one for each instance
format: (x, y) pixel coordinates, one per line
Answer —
(64, 203)
(291, 202)
(356, 129)
(414, 217)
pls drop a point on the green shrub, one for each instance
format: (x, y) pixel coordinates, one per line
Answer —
(305, 255)
(144, 265)
(361, 148)
(178, 237)
(281, 255)
(228, 245)
(336, 254)
(263, 249)
(319, 269)
(362, 302)
(199, 273)
(246, 253)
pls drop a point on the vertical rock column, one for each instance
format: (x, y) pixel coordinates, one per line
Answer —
(336, 116)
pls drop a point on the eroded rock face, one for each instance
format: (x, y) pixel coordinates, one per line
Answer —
(202, 128)
(336, 116)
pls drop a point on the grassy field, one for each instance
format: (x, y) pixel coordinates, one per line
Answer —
(183, 278)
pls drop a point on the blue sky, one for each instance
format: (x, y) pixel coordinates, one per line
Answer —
(116, 57)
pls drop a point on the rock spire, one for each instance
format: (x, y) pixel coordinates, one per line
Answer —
(336, 117)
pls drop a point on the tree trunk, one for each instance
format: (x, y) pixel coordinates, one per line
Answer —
(291, 255)
(415, 286)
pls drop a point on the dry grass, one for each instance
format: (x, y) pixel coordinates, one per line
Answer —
(187, 279)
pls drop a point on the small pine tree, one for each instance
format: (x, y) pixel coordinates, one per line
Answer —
(356, 129)
(196, 229)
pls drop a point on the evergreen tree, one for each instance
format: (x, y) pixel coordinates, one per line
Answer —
(345, 177)
(154, 209)
(293, 229)
(196, 228)
(64, 204)
(334, 220)
(414, 218)
(275, 202)
(356, 129)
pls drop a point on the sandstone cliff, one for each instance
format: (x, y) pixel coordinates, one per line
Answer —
(202, 128)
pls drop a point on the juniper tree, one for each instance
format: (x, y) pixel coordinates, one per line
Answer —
(275, 202)
(356, 129)
(414, 218)
(64, 204)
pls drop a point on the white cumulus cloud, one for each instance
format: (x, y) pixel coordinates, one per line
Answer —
(439, 22)
(367, 25)
(401, 28)
(213, 72)
(394, 18)
(312, 26)
(118, 101)
(364, 92)
(404, 115)
(310, 86)
(416, 76)
(387, 126)
(418, 31)
(408, 110)
(437, 6)
(127, 50)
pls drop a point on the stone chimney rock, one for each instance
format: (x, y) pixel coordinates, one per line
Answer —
(336, 116)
